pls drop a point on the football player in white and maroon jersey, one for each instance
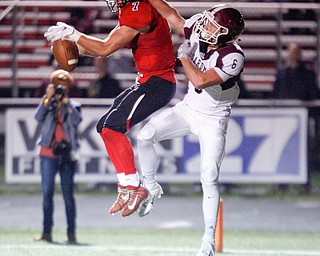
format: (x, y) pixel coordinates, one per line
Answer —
(213, 62)
(147, 33)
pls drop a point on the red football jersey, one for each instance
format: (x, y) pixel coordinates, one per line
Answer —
(153, 52)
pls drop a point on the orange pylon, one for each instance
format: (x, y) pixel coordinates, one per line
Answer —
(219, 228)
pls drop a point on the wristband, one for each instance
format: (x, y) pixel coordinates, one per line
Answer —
(75, 36)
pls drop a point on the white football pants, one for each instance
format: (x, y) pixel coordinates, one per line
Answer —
(179, 121)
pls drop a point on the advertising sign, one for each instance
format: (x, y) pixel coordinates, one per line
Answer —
(264, 145)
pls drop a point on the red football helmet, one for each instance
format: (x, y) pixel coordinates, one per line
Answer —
(115, 5)
(219, 25)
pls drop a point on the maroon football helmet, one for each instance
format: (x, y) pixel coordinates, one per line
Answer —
(219, 25)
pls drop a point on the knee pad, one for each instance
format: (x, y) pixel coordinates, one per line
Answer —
(209, 178)
(147, 133)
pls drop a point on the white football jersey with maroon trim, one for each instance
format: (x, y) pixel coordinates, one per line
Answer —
(228, 62)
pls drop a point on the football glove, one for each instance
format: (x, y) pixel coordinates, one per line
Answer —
(52, 32)
(62, 31)
(186, 49)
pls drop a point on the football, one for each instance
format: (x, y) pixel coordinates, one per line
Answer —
(66, 54)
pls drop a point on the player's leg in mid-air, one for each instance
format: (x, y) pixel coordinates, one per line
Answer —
(211, 136)
(112, 128)
(130, 108)
(168, 124)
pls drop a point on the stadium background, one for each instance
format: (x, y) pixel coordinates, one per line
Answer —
(24, 66)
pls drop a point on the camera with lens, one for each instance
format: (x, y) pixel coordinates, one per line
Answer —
(59, 90)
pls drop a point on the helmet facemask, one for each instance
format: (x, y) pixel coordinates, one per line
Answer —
(219, 25)
(115, 5)
(208, 29)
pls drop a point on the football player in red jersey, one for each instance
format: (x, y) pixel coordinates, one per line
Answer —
(147, 33)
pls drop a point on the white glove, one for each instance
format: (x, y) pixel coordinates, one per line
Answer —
(186, 49)
(52, 32)
(62, 31)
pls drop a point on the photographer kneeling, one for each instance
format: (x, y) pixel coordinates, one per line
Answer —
(59, 117)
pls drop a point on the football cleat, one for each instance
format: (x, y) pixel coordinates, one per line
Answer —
(207, 248)
(137, 195)
(122, 199)
(155, 192)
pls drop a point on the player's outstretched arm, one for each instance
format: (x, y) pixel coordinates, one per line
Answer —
(119, 37)
(169, 13)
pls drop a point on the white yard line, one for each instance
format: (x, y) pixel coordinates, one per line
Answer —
(274, 252)
(157, 249)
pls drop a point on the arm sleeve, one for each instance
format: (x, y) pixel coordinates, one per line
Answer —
(41, 111)
(230, 66)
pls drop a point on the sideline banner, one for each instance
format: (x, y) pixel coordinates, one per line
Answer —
(264, 145)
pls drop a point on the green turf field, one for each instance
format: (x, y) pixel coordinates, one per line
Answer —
(157, 242)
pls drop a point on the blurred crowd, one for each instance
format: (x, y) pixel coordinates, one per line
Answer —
(105, 70)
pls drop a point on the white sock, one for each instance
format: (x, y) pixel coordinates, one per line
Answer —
(149, 179)
(122, 179)
(210, 205)
(148, 161)
(133, 180)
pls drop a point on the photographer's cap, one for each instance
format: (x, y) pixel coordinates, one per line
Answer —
(61, 77)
